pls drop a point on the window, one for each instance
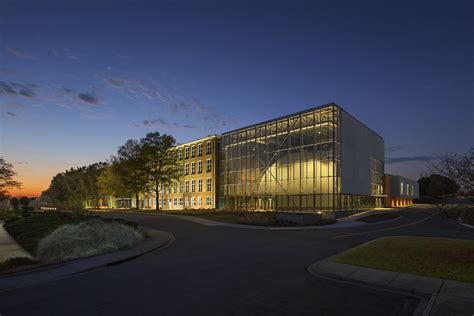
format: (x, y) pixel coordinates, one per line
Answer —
(192, 201)
(180, 154)
(208, 201)
(164, 202)
(193, 151)
(200, 185)
(181, 187)
(193, 167)
(193, 185)
(401, 188)
(209, 185)
(186, 168)
(200, 166)
(186, 201)
(208, 165)
(181, 201)
(199, 200)
(175, 202)
(186, 153)
(209, 148)
(412, 190)
(199, 150)
(408, 189)
(186, 186)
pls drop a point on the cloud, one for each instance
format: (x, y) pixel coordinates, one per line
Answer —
(65, 53)
(13, 105)
(409, 159)
(88, 98)
(161, 123)
(17, 89)
(20, 162)
(132, 89)
(10, 113)
(20, 54)
(394, 148)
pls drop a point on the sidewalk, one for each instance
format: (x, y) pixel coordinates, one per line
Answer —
(156, 240)
(9, 248)
(446, 297)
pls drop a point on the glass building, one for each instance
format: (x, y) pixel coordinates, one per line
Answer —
(321, 159)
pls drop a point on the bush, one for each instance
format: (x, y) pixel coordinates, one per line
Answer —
(16, 262)
(86, 239)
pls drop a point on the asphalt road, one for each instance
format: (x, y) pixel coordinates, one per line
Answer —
(212, 270)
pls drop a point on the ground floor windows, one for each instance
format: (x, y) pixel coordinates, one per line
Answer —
(208, 201)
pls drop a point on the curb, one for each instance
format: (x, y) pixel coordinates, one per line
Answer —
(427, 289)
(155, 240)
(208, 222)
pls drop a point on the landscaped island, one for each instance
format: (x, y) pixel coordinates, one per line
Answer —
(53, 237)
(434, 257)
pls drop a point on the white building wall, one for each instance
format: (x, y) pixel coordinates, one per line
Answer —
(358, 145)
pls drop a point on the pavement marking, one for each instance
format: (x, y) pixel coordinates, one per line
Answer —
(389, 228)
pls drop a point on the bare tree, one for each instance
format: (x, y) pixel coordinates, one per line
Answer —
(459, 168)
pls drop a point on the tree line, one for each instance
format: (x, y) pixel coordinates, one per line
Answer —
(145, 165)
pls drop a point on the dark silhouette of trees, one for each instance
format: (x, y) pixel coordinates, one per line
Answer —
(459, 168)
(7, 173)
(437, 186)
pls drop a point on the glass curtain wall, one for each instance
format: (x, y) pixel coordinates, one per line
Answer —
(288, 164)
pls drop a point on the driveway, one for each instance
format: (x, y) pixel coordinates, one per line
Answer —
(214, 270)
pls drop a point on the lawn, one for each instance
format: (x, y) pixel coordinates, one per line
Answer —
(373, 218)
(434, 257)
(247, 218)
(28, 231)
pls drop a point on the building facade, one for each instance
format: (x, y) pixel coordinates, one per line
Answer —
(399, 191)
(198, 188)
(322, 159)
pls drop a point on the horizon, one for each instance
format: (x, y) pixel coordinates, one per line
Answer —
(72, 92)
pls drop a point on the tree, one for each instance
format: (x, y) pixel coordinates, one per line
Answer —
(459, 168)
(6, 177)
(437, 186)
(14, 202)
(24, 202)
(129, 167)
(162, 168)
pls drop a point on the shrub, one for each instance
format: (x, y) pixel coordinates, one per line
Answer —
(15, 263)
(86, 239)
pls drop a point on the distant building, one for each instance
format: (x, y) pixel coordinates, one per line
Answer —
(399, 191)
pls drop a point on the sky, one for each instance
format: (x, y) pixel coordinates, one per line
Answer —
(79, 78)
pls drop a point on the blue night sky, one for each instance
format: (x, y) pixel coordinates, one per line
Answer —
(78, 79)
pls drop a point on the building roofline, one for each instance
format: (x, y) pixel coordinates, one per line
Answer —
(301, 112)
(197, 140)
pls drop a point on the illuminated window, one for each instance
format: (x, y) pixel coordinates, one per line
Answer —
(199, 200)
(408, 189)
(200, 166)
(200, 185)
(193, 167)
(401, 188)
(186, 153)
(199, 150)
(412, 190)
(186, 168)
(208, 184)
(208, 200)
(175, 202)
(186, 186)
(193, 185)
(209, 148)
(186, 201)
(193, 151)
(192, 201)
(208, 165)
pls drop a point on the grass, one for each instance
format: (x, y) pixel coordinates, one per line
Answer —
(15, 263)
(246, 218)
(28, 231)
(434, 257)
(86, 239)
(465, 212)
(373, 218)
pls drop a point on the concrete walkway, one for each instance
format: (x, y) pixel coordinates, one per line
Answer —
(9, 248)
(446, 297)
